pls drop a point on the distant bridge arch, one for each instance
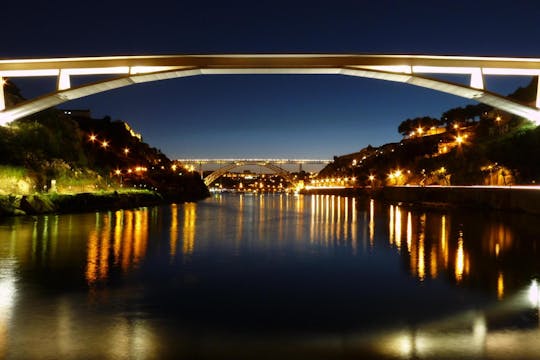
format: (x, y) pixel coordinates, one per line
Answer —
(131, 70)
(228, 167)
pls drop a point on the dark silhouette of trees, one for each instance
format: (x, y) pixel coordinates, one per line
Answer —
(409, 125)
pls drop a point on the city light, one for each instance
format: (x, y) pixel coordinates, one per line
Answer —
(92, 138)
(104, 144)
(126, 151)
(534, 294)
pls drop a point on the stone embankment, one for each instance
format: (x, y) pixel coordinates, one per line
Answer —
(510, 198)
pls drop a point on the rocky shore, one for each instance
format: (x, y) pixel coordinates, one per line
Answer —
(11, 205)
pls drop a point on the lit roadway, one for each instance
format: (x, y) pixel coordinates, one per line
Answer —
(129, 70)
(506, 187)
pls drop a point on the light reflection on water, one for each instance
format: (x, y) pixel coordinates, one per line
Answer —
(237, 274)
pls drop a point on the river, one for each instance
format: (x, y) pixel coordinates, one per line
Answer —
(271, 276)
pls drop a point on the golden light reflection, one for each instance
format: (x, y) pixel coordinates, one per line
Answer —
(444, 241)
(333, 219)
(346, 219)
(371, 222)
(500, 286)
(92, 258)
(8, 293)
(140, 235)
(174, 230)
(391, 225)
(421, 252)
(354, 222)
(240, 219)
(299, 207)
(118, 226)
(120, 238)
(460, 260)
(314, 208)
(104, 250)
(433, 256)
(98, 249)
(498, 238)
(421, 264)
(128, 240)
(409, 231)
(188, 230)
(326, 227)
(398, 228)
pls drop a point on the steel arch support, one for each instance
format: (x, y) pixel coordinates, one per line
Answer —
(475, 94)
(223, 170)
(47, 101)
(479, 95)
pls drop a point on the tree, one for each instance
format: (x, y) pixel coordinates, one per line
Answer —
(410, 125)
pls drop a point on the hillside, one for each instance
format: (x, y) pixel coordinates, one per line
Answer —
(476, 144)
(70, 152)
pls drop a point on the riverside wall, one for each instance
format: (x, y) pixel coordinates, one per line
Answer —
(509, 198)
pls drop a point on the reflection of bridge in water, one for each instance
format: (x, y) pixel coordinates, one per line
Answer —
(226, 165)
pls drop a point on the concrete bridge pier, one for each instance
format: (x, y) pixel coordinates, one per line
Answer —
(201, 171)
(2, 99)
(538, 93)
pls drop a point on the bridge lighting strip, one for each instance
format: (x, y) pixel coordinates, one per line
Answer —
(292, 161)
(67, 93)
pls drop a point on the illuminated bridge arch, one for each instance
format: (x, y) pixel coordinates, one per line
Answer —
(225, 169)
(131, 70)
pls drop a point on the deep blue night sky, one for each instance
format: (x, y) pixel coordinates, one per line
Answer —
(278, 116)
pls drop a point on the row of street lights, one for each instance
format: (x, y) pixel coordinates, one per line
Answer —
(105, 144)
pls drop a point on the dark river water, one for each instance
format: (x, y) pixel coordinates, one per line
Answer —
(268, 277)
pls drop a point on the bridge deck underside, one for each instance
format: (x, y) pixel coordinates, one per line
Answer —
(130, 70)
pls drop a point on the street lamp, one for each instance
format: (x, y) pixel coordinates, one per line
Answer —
(118, 172)
(371, 179)
(104, 144)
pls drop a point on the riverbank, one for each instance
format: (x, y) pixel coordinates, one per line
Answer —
(12, 205)
(511, 198)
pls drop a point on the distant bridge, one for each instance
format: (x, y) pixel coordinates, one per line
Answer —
(226, 165)
(129, 70)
